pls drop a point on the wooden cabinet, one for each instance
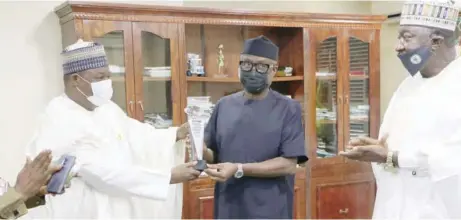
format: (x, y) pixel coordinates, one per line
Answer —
(199, 203)
(140, 56)
(200, 198)
(343, 103)
(346, 200)
(335, 76)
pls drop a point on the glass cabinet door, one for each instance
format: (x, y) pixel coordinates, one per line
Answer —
(116, 38)
(357, 91)
(327, 126)
(155, 73)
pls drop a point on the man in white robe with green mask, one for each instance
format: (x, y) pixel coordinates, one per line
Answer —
(125, 168)
(417, 159)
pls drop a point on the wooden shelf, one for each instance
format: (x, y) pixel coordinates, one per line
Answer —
(351, 77)
(357, 77)
(328, 121)
(288, 78)
(236, 80)
(145, 78)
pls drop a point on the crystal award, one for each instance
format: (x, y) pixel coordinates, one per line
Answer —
(198, 112)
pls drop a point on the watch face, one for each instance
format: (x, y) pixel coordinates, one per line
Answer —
(238, 174)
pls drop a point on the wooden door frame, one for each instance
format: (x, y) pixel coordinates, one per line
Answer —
(98, 28)
(316, 36)
(165, 31)
(370, 37)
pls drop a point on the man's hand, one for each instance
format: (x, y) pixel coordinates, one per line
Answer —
(190, 149)
(184, 172)
(34, 176)
(182, 131)
(222, 171)
(367, 149)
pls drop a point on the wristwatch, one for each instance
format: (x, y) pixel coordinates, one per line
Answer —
(239, 173)
(389, 165)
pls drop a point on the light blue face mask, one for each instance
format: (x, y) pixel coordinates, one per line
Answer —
(414, 60)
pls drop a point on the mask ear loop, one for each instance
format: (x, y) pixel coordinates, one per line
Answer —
(78, 89)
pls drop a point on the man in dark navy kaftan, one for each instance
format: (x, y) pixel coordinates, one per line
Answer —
(254, 140)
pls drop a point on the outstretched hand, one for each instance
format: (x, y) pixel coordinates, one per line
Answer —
(367, 149)
(184, 172)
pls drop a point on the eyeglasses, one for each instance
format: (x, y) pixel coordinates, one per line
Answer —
(260, 67)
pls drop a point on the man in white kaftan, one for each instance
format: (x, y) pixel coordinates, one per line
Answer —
(124, 167)
(416, 160)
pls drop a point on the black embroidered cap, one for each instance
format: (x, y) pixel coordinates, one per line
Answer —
(262, 47)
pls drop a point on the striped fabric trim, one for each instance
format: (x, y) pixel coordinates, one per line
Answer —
(437, 14)
(84, 64)
(83, 53)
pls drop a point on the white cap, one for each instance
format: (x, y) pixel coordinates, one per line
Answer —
(442, 14)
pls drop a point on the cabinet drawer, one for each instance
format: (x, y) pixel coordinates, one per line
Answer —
(199, 204)
(345, 200)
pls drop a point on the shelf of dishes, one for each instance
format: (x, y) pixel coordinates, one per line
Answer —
(327, 146)
(162, 73)
(358, 113)
(353, 75)
(322, 153)
(158, 120)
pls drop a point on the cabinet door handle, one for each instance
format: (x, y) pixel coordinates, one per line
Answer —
(141, 105)
(343, 211)
(346, 99)
(131, 106)
(340, 100)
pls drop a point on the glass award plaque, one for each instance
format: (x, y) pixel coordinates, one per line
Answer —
(198, 112)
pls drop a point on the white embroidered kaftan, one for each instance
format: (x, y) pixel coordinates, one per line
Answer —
(423, 122)
(124, 166)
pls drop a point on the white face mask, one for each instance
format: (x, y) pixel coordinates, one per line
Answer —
(102, 92)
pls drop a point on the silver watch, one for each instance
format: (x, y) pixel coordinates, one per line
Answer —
(239, 173)
(389, 165)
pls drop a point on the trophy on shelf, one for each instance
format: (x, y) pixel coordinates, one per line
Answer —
(221, 62)
(198, 112)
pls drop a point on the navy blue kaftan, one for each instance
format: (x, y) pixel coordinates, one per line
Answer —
(247, 131)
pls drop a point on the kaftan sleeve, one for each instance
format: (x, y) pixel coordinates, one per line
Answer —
(119, 179)
(153, 154)
(384, 128)
(440, 159)
(292, 145)
(405, 159)
(94, 164)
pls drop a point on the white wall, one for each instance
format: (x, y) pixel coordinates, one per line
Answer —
(30, 42)
(392, 71)
(30, 74)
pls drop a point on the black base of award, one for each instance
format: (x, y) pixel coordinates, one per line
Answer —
(201, 165)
